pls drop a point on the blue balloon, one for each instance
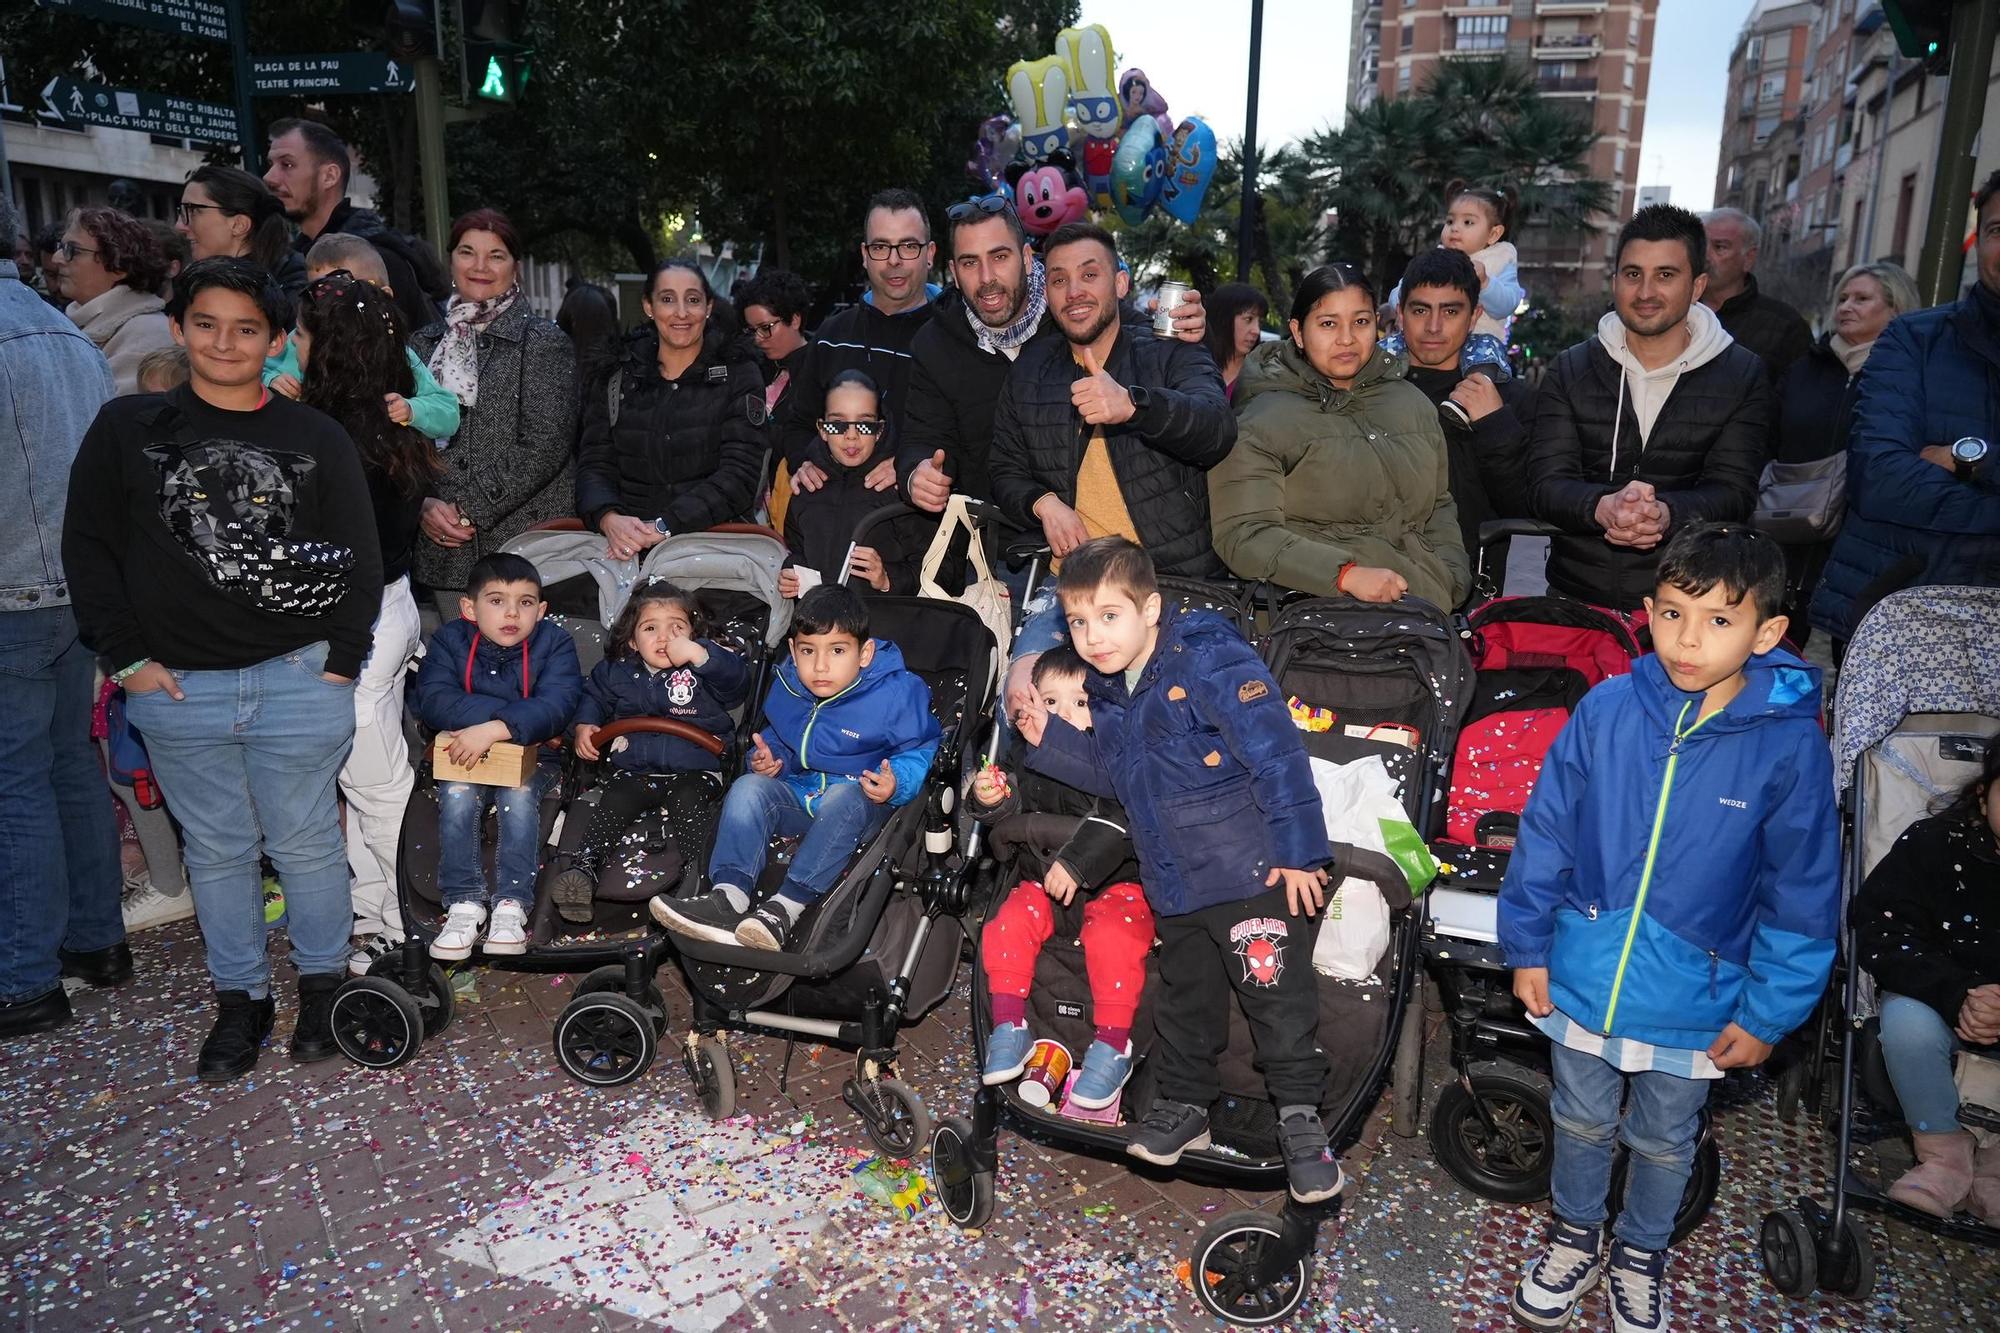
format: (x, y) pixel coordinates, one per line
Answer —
(1139, 171)
(1190, 167)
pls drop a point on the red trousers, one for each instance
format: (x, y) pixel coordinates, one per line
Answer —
(1117, 932)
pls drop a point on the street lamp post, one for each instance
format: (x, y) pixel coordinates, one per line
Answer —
(1247, 200)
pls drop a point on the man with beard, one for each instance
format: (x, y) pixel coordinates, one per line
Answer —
(1657, 422)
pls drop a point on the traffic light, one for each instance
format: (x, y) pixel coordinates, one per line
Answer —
(1923, 30)
(496, 63)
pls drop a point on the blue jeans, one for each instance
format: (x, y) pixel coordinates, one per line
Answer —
(59, 876)
(1918, 1046)
(518, 858)
(1658, 1132)
(248, 762)
(758, 809)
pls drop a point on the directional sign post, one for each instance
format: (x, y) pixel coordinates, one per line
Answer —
(341, 72)
(73, 102)
(206, 19)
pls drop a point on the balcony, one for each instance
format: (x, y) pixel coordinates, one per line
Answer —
(1575, 85)
(1571, 6)
(1571, 46)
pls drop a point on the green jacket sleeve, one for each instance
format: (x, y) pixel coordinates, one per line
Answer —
(1246, 502)
(433, 408)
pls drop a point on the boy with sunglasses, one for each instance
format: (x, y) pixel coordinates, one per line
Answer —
(820, 524)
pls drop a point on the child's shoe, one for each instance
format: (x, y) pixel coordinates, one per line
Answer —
(1555, 1284)
(1638, 1303)
(575, 888)
(1102, 1078)
(460, 932)
(378, 946)
(768, 926)
(707, 916)
(508, 933)
(1169, 1129)
(1312, 1172)
(1006, 1053)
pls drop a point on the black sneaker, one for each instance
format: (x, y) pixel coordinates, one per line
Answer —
(576, 887)
(1169, 1129)
(706, 916)
(767, 927)
(312, 1038)
(1311, 1170)
(241, 1024)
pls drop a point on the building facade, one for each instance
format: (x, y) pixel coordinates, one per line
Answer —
(1594, 55)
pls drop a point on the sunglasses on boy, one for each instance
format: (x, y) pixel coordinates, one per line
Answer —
(834, 429)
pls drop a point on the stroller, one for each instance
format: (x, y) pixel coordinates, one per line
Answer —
(1384, 670)
(1902, 738)
(1533, 658)
(610, 1031)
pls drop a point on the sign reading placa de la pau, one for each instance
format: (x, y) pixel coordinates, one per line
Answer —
(340, 72)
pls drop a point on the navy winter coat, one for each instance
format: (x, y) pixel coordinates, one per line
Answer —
(884, 714)
(700, 696)
(467, 680)
(1933, 378)
(1205, 758)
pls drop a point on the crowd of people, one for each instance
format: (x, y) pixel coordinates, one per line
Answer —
(248, 471)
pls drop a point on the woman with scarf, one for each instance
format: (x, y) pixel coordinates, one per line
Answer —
(509, 466)
(1816, 401)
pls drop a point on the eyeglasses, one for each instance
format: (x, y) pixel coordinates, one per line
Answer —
(762, 331)
(879, 250)
(987, 206)
(186, 211)
(69, 250)
(835, 429)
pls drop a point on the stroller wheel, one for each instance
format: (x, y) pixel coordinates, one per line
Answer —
(713, 1076)
(1696, 1200)
(1791, 1087)
(1856, 1276)
(892, 1113)
(605, 1039)
(437, 1003)
(1790, 1256)
(1237, 1279)
(376, 1023)
(965, 1191)
(1497, 1139)
(611, 977)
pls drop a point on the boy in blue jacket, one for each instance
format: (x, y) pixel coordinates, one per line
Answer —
(1669, 910)
(848, 737)
(497, 674)
(1191, 734)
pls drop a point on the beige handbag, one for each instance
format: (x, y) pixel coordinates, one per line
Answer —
(985, 594)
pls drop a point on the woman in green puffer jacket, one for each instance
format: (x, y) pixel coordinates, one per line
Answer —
(1337, 481)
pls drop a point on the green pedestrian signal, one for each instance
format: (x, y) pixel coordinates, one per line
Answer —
(495, 86)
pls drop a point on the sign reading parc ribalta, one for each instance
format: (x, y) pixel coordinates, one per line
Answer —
(72, 101)
(206, 19)
(340, 72)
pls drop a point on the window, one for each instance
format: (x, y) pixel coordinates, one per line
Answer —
(1480, 32)
(1409, 37)
(1777, 48)
(1899, 239)
(1624, 117)
(1402, 78)
(1771, 87)
(1618, 162)
(1630, 65)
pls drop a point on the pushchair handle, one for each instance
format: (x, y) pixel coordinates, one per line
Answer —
(874, 517)
(571, 523)
(1500, 529)
(657, 726)
(751, 529)
(1378, 868)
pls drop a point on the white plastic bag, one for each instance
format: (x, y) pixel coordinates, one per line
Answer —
(1359, 799)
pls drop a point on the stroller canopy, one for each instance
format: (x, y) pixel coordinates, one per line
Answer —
(745, 562)
(1925, 650)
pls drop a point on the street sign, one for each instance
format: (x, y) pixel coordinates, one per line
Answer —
(73, 102)
(206, 19)
(341, 72)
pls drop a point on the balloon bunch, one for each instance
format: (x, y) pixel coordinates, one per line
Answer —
(1084, 139)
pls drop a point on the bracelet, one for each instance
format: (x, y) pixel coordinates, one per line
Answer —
(119, 677)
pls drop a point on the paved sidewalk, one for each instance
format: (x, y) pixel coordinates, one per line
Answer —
(478, 1190)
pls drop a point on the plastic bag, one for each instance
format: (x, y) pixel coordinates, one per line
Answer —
(1361, 808)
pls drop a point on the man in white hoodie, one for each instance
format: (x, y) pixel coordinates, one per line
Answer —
(1657, 422)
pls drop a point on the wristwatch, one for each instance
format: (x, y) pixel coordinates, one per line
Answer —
(660, 526)
(1141, 397)
(1968, 455)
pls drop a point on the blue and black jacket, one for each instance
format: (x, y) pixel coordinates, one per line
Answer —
(467, 680)
(884, 714)
(1677, 873)
(1204, 756)
(700, 696)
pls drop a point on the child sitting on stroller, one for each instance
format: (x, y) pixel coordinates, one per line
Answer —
(1117, 925)
(661, 664)
(848, 737)
(501, 673)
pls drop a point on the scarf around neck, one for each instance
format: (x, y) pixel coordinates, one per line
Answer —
(1851, 355)
(455, 360)
(1023, 327)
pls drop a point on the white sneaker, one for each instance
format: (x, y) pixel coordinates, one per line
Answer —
(378, 945)
(508, 933)
(145, 907)
(461, 931)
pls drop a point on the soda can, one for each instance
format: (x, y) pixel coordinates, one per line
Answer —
(1170, 297)
(1048, 1065)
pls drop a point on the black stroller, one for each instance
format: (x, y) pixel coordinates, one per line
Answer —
(609, 1033)
(1377, 667)
(1918, 700)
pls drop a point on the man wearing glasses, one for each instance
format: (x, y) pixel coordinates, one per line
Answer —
(873, 336)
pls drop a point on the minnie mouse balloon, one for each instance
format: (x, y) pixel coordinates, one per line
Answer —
(1190, 167)
(1138, 172)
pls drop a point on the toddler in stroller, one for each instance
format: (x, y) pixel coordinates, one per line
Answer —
(1116, 931)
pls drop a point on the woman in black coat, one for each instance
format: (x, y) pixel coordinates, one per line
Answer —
(673, 434)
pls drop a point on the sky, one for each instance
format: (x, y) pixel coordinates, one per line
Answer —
(1196, 52)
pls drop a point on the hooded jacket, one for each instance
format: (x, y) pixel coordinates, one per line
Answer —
(466, 680)
(1181, 428)
(1697, 430)
(884, 714)
(1325, 477)
(1203, 754)
(126, 324)
(1676, 875)
(820, 525)
(701, 696)
(862, 338)
(689, 450)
